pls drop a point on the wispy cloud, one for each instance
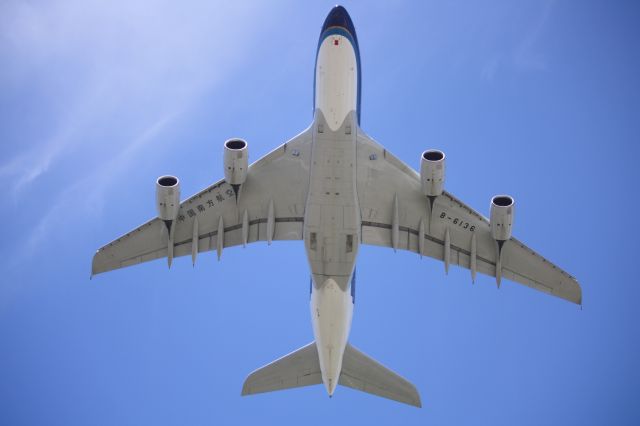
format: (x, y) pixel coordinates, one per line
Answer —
(526, 57)
(91, 188)
(513, 32)
(490, 68)
(106, 78)
(120, 62)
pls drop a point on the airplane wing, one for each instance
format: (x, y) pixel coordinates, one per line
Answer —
(396, 214)
(270, 206)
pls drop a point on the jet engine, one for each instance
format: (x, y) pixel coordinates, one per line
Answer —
(432, 172)
(168, 197)
(501, 219)
(236, 161)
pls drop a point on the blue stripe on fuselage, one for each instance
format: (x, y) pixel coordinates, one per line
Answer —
(353, 286)
(354, 43)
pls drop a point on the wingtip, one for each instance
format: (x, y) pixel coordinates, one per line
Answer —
(576, 297)
(580, 294)
(93, 264)
(246, 390)
(417, 400)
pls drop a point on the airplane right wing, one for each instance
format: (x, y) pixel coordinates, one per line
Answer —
(397, 215)
(270, 206)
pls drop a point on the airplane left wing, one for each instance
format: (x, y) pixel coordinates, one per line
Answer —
(270, 206)
(396, 214)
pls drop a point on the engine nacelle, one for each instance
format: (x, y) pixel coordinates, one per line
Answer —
(168, 197)
(501, 220)
(432, 172)
(236, 161)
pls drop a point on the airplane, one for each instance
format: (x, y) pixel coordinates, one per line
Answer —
(335, 188)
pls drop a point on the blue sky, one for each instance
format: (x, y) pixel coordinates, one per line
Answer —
(538, 99)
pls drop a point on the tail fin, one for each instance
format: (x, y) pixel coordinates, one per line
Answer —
(299, 368)
(302, 368)
(366, 374)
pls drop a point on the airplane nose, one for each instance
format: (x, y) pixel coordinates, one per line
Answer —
(339, 17)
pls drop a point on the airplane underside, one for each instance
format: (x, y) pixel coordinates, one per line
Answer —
(335, 188)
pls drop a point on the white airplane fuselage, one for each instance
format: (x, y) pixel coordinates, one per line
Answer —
(332, 214)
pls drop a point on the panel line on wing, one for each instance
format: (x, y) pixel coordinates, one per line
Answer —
(456, 248)
(215, 233)
(426, 236)
(239, 226)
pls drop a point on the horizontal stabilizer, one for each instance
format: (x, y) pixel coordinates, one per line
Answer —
(299, 368)
(365, 374)
(302, 368)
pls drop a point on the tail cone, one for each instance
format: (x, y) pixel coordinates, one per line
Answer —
(331, 384)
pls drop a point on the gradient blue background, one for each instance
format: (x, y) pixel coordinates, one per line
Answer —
(538, 99)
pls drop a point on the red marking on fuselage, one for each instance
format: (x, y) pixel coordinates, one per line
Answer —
(335, 42)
